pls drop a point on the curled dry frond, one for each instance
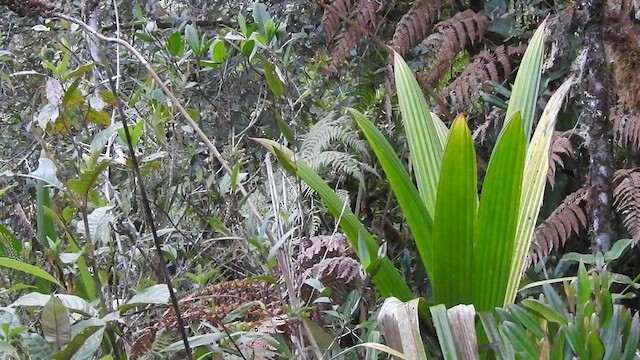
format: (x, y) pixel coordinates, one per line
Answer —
(29, 7)
(627, 200)
(365, 14)
(331, 21)
(415, 24)
(569, 218)
(622, 37)
(449, 38)
(560, 145)
(494, 65)
(626, 127)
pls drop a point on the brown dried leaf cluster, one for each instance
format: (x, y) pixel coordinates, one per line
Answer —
(494, 65)
(449, 38)
(622, 37)
(331, 21)
(210, 306)
(415, 24)
(560, 145)
(366, 14)
(569, 218)
(626, 127)
(627, 200)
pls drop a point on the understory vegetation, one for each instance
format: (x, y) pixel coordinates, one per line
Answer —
(319, 179)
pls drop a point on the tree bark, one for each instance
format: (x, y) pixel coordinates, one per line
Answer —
(595, 90)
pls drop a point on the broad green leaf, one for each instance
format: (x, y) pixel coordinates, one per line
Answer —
(455, 219)
(273, 80)
(47, 172)
(8, 243)
(521, 343)
(386, 277)
(261, 17)
(617, 249)
(99, 221)
(443, 330)
(497, 218)
(36, 346)
(501, 349)
(56, 326)
(217, 51)
(535, 177)
(415, 212)
(191, 34)
(74, 348)
(28, 268)
(175, 44)
(425, 146)
(544, 311)
(527, 85)
(632, 338)
(584, 287)
(527, 321)
(82, 185)
(195, 341)
(154, 294)
(79, 71)
(576, 341)
(71, 302)
(595, 347)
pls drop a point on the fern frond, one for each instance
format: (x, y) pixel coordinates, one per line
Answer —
(415, 24)
(626, 201)
(330, 129)
(622, 37)
(449, 38)
(626, 127)
(494, 65)
(324, 246)
(560, 145)
(331, 21)
(569, 218)
(365, 14)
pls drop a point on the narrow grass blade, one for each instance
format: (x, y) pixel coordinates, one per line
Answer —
(498, 217)
(384, 275)
(525, 89)
(425, 147)
(454, 223)
(535, 177)
(414, 210)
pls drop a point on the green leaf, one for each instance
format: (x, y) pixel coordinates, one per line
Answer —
(501, 349)
(76, 344)
(617, 249)
(175, 44)
(527, 85)
(497, 218)
(82, 185)
(261, 17)
(535, 177)
(418, 219)
(79, 71)
(445, 337)
(273, 80)
(545, 311)
(595, 349)
(217, 51)
(527, 320)
(575, 340)
(632, 338)
(425, 146)
(71, 302)
(191, 34)
(387, 279)
(584, 287)
(155, 294)
(56, 327)
(521, 343)
(455, 219)
(28, 268)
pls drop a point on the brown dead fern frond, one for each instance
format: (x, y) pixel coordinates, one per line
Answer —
(449, 38)
(626, 201)
(341, 274)
(560, 145)
(622, 38)
(365, 14)
(626, 128)
(415, 24)
(494, 65)
(331, 21)
(567, 219)
(318, 247)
